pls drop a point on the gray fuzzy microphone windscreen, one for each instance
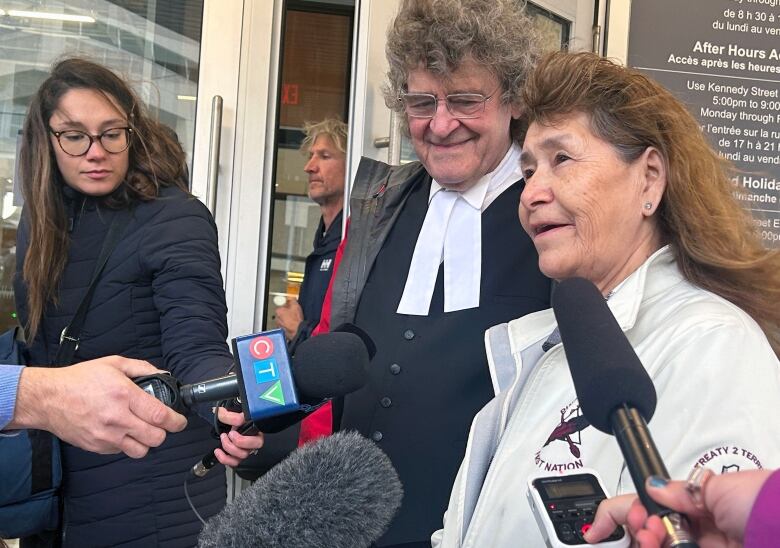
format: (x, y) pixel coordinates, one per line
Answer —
(340, 491)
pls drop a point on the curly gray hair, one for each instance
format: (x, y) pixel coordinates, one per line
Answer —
(440, 35)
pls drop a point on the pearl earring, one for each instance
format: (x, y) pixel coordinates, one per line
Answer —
(648, 205)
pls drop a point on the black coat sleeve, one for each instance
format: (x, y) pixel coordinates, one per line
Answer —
(180, 251)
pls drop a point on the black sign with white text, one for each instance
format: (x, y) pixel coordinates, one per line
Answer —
(722, 58)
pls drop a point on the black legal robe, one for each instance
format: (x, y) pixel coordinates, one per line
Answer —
(430, 375)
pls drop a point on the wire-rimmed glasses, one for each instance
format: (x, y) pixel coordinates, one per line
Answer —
(460, 105)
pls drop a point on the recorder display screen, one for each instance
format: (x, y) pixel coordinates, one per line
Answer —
(569, 489)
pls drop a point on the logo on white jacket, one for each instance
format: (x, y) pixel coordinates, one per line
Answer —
(729, 458)
(562, 450)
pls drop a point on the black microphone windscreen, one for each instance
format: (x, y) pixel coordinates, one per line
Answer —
(367, 340)
(338, 491)
(606, 371)
(330, 365)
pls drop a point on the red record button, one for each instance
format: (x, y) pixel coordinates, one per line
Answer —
(585, 528)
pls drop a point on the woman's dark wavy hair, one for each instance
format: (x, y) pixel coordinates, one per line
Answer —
(156, 160)
(711, 234)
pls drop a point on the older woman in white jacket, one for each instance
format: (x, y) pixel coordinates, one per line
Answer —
(623, 189)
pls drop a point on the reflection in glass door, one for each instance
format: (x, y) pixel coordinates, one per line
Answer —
(154, 44)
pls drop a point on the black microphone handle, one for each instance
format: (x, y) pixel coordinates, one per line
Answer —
(223, 388)
(642, 458)
(643, 461)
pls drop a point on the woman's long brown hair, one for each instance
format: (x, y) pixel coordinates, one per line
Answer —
(155, 159)
(712, 236)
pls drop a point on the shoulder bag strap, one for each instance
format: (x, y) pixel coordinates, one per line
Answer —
(69, 340)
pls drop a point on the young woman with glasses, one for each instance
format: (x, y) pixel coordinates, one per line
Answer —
(90, 155)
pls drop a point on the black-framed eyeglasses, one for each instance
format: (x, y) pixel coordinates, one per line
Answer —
(76, 143)
(460, 105)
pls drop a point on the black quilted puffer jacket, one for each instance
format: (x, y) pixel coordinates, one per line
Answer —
(160, 298)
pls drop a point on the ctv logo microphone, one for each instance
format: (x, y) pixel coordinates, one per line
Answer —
(264, 360)
(330, 365)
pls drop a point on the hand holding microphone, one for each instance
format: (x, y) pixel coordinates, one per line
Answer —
(239, 442)
(720, 513)
(615, 393)
(269, 384)
(274, 390)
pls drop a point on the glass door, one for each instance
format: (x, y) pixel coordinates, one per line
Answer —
(158, 46)
(315, 71)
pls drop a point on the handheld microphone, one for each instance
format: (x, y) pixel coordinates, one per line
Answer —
(275, 391)
(338, 491)
(334, 366)
(615, 392)
(269, 384)
(324, 367)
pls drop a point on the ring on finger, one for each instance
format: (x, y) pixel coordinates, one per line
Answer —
(695, 485)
